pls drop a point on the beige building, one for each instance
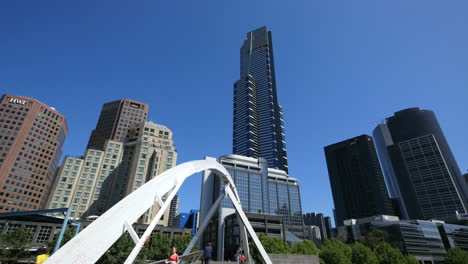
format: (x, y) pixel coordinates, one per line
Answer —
(79, 182)
(149, 151)
(94, 183)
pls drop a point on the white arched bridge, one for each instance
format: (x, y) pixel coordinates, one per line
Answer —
(91, 243)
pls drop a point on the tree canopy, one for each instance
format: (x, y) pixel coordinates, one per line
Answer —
(362, 254)
(386, 254)
(456, 256)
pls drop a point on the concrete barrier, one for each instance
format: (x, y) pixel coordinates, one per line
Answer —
(284, 259)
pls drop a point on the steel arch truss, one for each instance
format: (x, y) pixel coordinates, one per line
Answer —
(91, 243)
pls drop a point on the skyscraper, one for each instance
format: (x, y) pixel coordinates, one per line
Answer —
(429, 180)
(93, 183)
(81, 181)
(356, 180)
(32, 136)
(115, 118)
(313, 219)
(258, 119)
(383, 140)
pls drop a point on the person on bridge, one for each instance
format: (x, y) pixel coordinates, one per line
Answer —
(43, 257)
(207, 254)
(174, 257)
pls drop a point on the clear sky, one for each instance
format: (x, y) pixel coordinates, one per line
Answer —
(341, 67)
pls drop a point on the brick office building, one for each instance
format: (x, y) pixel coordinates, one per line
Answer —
(115, 119)
(31, 139)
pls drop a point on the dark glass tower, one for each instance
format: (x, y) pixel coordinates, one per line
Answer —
(429, 180)
(356, 180)
(258, 122)
(383, 140)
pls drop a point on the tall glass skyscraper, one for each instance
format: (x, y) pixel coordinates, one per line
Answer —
(258, 118)
(422, 165)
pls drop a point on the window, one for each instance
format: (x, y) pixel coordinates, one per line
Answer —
(139, 176)
(44, 234)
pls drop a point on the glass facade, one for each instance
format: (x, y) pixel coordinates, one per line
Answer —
(428, 176)
(258, 119)
(454, 236)
(264, 191)
(420, 239)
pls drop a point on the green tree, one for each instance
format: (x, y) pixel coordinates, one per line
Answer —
(386, 254)
(374, 238)
(181, 243)
(119, 251)
(335, 252)
(305, 247)
(158, 247)
(14, 243)
(411, 260)
(456, 256)
(363, 255)
(272, 245)
(67, 236)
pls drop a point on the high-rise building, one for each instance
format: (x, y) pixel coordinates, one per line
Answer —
(428, 178)
(328, 227)
(95, 182)
(262, 190)
(356, 180)
(148, 151)
(383, 140)
(32, 135)
(115, 119)
(83, 182)
(258, 119)
(313, 219)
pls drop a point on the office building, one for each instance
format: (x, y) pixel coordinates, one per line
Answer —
(313, 233)
(425, 174)
(328, 227)
(188, 220)
(454, 235)
(313, 219)
(32, 135)
(356, 180)
(95, 182)
(115, 119)
(383, 140)
(173, 211)
(418, 238)
(149, 150)
(82, 181)
(258, 118)
(262, 190)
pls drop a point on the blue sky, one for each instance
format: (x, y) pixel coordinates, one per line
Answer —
(341, 67)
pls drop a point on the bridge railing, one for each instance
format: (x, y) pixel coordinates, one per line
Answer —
(185, 259)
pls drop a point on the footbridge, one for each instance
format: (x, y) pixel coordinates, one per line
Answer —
(91, 243)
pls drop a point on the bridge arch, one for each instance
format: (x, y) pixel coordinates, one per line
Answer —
(91, 243)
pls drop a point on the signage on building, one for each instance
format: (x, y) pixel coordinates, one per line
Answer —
(134, 105)
(17, 101)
